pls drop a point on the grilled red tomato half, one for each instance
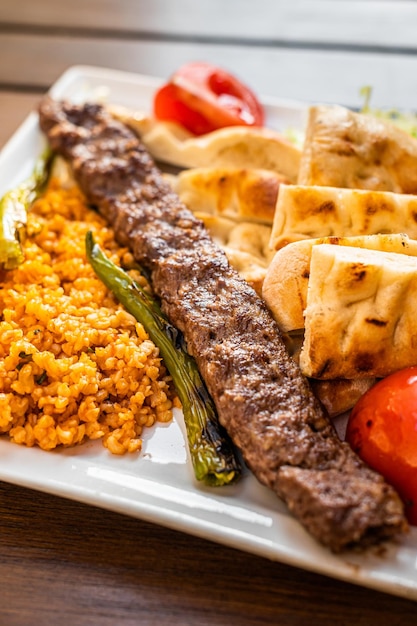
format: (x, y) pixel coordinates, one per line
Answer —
(202, 98)
(382, 429)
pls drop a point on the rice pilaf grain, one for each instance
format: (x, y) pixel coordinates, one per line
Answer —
(74, 365)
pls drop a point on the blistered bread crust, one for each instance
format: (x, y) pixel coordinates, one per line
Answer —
(235, 146)
(360, 317)
(309, 212)
(286, 281)
(358, 151)
(241, 194)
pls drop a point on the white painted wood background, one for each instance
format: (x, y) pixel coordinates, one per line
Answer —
(313, 51)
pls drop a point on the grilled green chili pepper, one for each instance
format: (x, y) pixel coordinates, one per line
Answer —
(13, 212)
(213, 457)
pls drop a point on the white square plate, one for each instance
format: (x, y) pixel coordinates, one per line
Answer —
(158, 485)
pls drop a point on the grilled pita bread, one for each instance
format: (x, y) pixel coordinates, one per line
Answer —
(235, 193)
(309, 212)
(357, 151)
(340, 395)
(286, 281)
(360, 317)
(235, 146)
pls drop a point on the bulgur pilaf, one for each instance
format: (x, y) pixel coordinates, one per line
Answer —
(74, 365)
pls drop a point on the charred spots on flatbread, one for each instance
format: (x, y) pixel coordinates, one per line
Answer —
(377, 204)
(309, 204)
(375, 321)
(357, 273)
(365, 361)
(326, 207)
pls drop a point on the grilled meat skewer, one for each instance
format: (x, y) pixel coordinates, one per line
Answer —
(262, 399)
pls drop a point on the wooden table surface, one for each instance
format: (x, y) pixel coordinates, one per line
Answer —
(62, 562)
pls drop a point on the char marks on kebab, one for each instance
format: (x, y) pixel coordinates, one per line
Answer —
(262, 399)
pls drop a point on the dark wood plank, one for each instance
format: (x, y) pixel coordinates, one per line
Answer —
(65, 562)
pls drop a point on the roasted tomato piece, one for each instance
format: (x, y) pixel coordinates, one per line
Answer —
(202, 98)
(382, 429)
